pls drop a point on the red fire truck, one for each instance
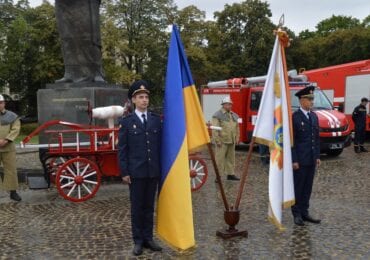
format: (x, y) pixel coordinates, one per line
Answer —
(344, 85)
(246, 95)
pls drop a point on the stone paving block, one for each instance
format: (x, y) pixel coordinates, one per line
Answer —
(45, 226)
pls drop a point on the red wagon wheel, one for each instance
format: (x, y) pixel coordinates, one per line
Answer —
(53, 164)
(78, 179)
(198, 172)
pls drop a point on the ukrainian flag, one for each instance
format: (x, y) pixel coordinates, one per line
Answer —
(184, 129)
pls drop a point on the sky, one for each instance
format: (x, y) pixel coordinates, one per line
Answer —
(299, 14)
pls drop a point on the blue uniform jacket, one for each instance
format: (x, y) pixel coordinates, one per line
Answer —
(306, 147)
(139, 148)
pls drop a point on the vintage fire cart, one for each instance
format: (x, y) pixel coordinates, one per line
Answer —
(78, 156)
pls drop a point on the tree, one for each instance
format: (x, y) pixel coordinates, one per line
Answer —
(241, 42)
(32, 55)
(134, 37)
(340, 47)
(366, 22)
(193, 27)
(335, 23)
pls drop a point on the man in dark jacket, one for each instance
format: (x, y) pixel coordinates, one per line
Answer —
(139, 158)
(359, 118)
(305, 155)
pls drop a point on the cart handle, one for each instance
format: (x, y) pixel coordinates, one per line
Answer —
(51, 123)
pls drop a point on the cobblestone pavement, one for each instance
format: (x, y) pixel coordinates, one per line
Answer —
(45, 226)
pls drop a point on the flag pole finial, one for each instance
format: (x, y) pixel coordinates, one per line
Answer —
(283, 36)
(281, 21)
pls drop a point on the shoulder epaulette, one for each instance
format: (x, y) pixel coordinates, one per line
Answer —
(154, 114)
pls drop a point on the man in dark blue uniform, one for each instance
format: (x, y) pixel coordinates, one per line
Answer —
(359, 118)
(305, 155)
(139, 157)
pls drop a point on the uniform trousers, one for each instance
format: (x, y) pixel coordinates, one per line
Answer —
(303, 181)
(142, 197)
(225, 157)
(360, 134)
(10, 178)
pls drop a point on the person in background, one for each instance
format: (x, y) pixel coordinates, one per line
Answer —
(226, 139)
(359, 118)
(9, 129)
(264, 154)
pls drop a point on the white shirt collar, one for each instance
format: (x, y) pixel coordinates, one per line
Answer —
(139, 114)
(304, 111)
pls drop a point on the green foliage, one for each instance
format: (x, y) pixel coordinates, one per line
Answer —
(135, 37)
(324, 48)
(191, 22)
(135, 40)
(30, 56)
(241, 41)
(335, 23)
(26, 129)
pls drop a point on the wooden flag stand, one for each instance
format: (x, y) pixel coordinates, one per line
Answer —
(231, 214)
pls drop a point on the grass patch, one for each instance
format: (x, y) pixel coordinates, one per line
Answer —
(26, 129)
(20, 137)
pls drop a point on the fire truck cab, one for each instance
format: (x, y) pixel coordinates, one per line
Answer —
(246, 95)
(345, 85)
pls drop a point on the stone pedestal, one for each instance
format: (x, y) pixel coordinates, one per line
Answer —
(70, 102)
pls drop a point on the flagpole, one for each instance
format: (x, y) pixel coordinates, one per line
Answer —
(218, 178)
(244, 175)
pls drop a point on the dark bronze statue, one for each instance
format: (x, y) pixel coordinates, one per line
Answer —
(79, 30)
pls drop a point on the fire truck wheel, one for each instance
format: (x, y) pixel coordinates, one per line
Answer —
(78, 179)
(198, 172)
(334, 152)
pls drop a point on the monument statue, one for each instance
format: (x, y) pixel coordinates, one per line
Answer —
(79, 30)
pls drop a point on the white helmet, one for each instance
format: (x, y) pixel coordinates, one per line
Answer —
(2, 98)
(226, 100)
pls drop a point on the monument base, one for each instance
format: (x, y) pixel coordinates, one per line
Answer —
(72, 104)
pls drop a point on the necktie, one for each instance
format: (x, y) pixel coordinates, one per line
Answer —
(144, 120)
(309, 116)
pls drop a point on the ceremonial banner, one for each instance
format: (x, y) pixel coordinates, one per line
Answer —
(274, 129)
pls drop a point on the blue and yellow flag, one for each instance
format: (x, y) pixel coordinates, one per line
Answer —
(184, 129)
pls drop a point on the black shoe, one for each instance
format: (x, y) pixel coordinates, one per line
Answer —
(363, 149)
(232, 178)
(357, 149)
(298, 221)
(138, 249)
(152, 245)
(308, 218)
(14, 196)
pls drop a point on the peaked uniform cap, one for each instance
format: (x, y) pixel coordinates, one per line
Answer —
(307, 92)
(2, 98)
(138, 86)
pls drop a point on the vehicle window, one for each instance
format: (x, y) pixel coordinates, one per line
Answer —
(321, 101)
(293, 99)
(255, 100)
